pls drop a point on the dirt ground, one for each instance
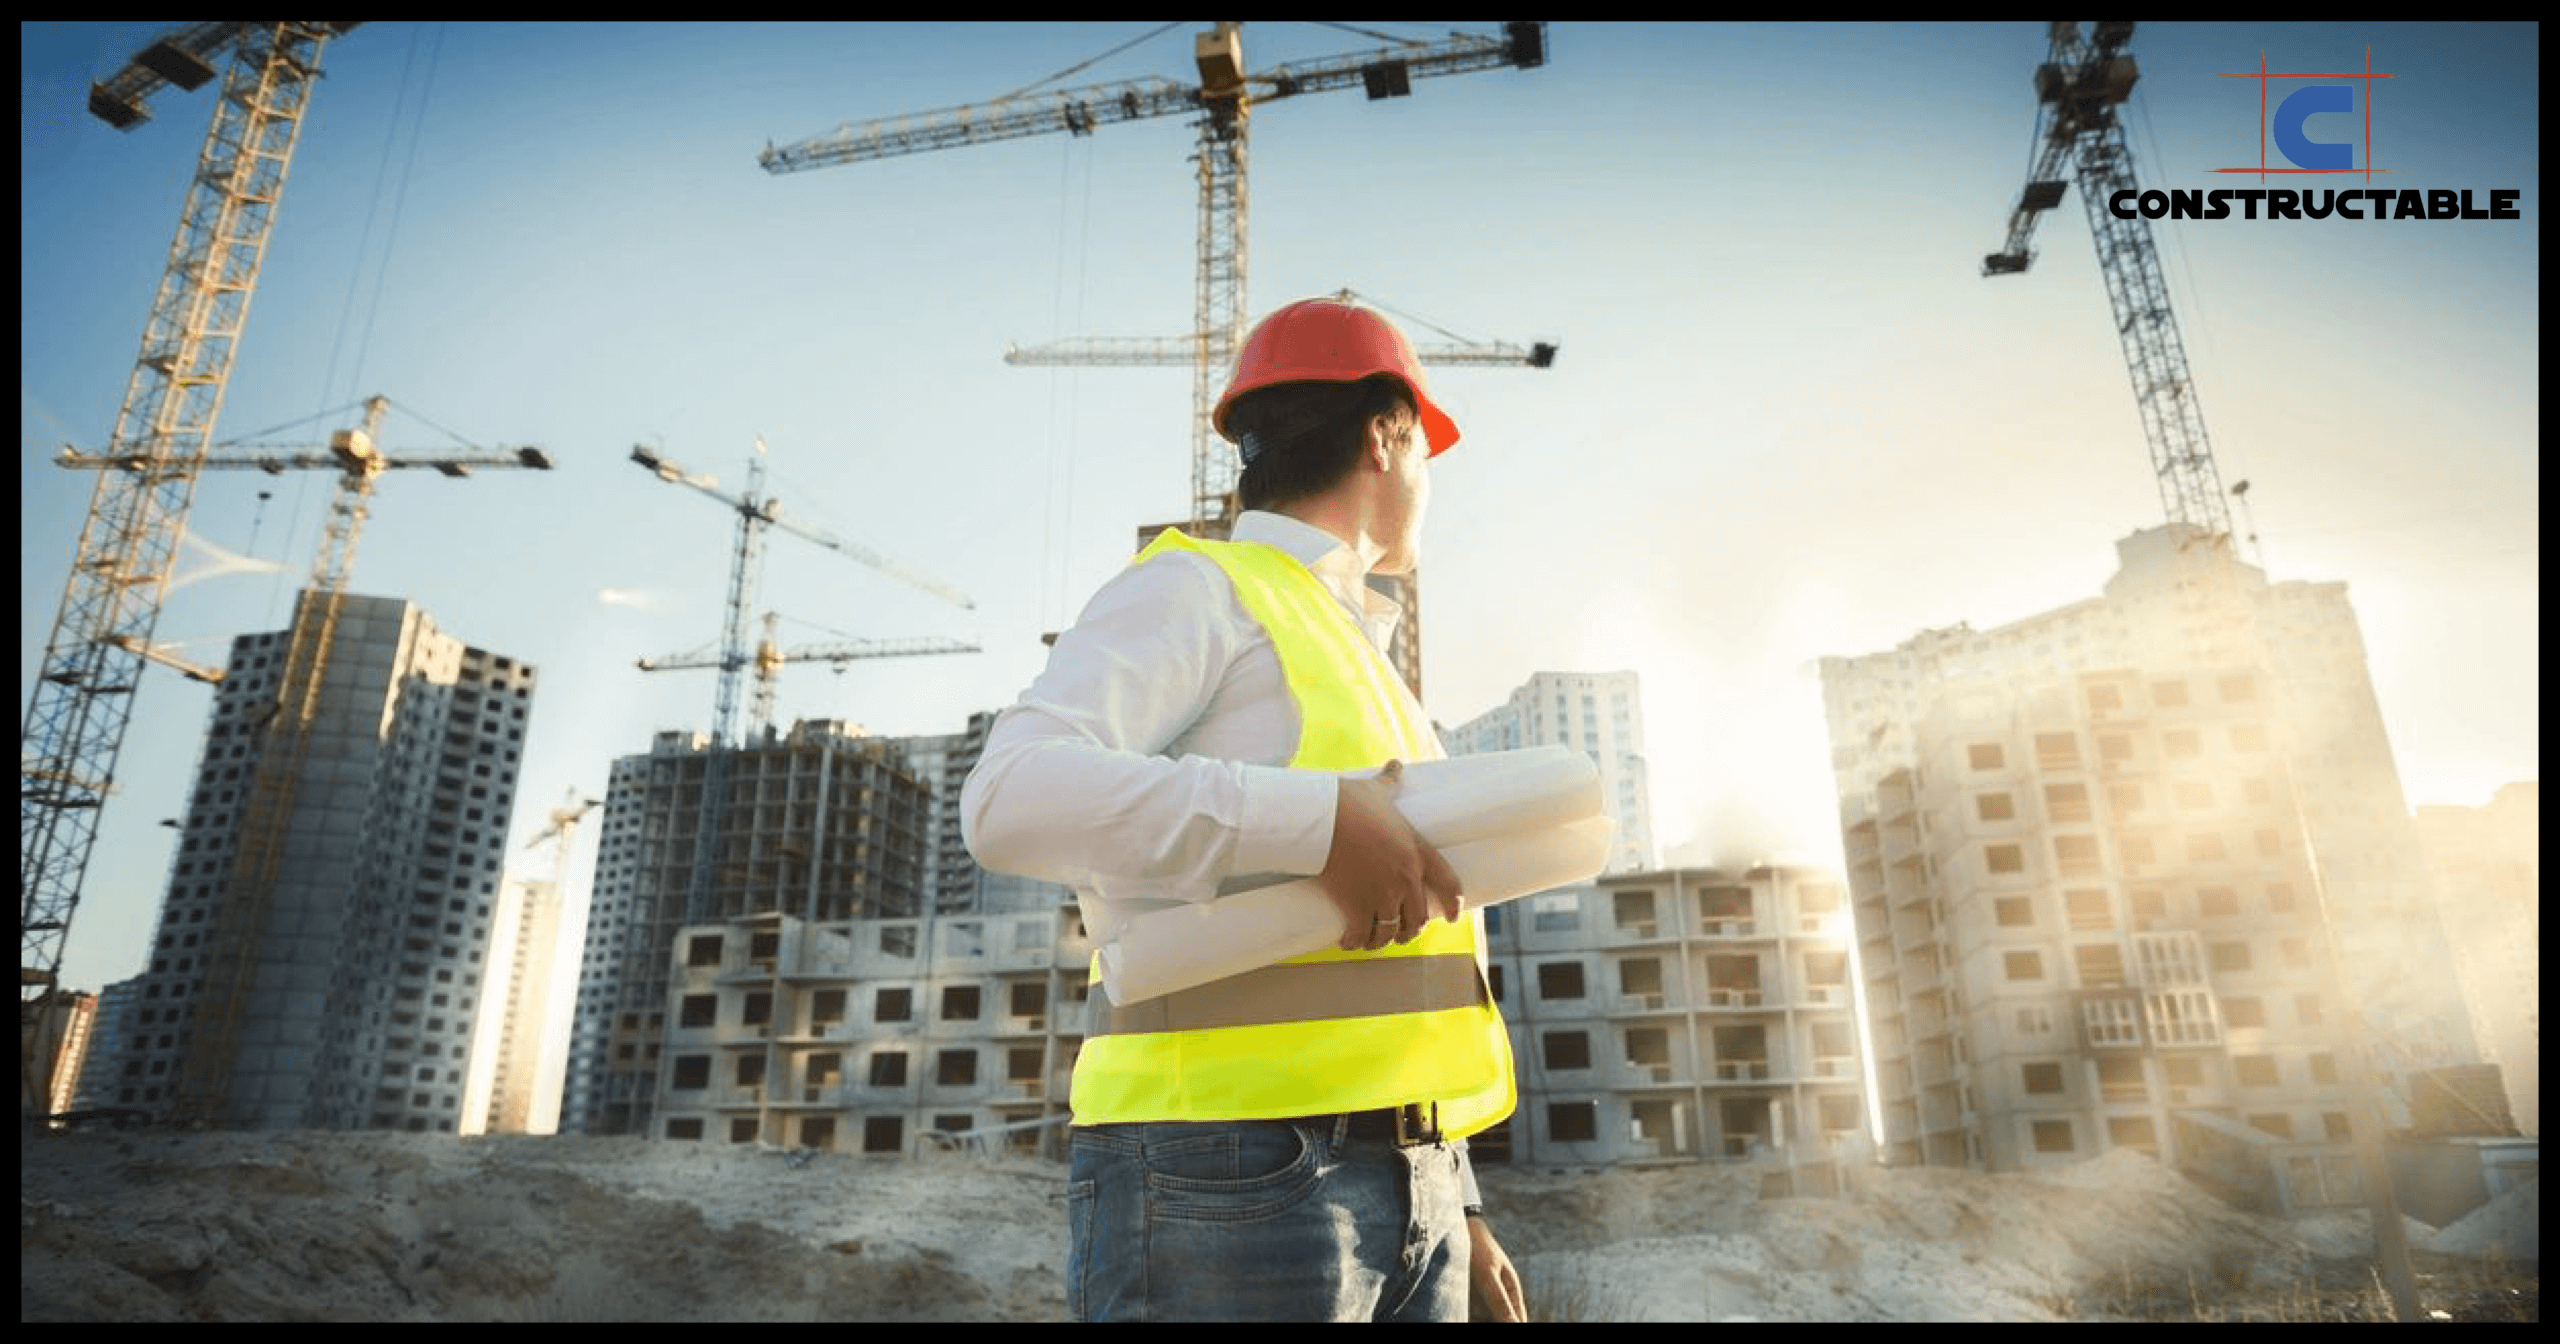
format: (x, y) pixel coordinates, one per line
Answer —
(161, 1226)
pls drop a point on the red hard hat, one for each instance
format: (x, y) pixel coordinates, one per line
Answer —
(1332, 341)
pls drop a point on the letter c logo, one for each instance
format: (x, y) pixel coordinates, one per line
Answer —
(2300, 105)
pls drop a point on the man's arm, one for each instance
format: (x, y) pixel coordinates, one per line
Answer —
(1494, 1291)
(1073, 787)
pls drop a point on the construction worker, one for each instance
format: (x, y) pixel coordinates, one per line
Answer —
(1289, 1143)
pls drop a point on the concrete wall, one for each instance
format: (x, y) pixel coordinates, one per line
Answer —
(869, 1036)
(1680, 1015)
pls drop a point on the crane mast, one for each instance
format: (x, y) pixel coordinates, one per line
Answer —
(2078, 90)
(1218, 281)
(83, 695)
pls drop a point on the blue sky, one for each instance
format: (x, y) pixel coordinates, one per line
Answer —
(1790, 417)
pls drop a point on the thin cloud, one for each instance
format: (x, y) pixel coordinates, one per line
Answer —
(219, 561)
(638, 599)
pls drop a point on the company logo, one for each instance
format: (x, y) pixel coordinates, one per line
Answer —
(2292, 139)
(2289, 126)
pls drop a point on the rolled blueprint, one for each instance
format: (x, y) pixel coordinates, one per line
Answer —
(1168, 950)
(1509, 823)
(1463, 798)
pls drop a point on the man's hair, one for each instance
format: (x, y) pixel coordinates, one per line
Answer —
(1300, 439)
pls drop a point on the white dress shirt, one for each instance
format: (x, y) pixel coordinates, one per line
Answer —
(1147, 765)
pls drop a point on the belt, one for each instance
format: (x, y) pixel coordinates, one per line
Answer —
(1411, 1125)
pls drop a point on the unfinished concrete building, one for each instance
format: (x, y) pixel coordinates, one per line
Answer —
(2131, 873)
(1678, 1016)
(819, 823)
(1682, 1015)
(348, 996)
(875, 1036)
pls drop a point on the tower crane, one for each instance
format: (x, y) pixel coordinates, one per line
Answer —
(352, 453)
(83, 695)
(756, 511)
(2078, 89)
(770, 656)
(1222, 102)
(562, 825)
(232, 943)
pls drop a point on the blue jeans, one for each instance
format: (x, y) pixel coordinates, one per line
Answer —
(1261, 1220)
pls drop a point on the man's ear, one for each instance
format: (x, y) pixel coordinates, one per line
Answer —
(1379, 445)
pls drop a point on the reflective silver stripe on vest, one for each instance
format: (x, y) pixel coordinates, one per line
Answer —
(1317, 992)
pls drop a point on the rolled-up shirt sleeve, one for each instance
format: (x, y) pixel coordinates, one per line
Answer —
(1077, 784)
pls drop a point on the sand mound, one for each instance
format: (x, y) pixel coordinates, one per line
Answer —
(341, 1227)
(1923, 1245)
(344, 1227)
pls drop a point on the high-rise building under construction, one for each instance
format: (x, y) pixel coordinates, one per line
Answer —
(521, 992)
(2136, 872)
(340, 992)
(834, 839)
(819, 824)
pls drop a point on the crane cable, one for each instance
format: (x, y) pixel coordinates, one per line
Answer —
(1367, 32)
(1351, 294)
(1057, 512)
(417, 114)
(1161, 29)
(400, 196)
(1052, 79)
(1053, 526)
(336, 415)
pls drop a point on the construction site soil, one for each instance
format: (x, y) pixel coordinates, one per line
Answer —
(164, 1226)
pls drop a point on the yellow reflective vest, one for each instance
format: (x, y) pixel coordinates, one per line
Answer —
(1333, 1030)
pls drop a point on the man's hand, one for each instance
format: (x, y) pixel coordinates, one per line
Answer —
(1494, 1286)
(1380, 874)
